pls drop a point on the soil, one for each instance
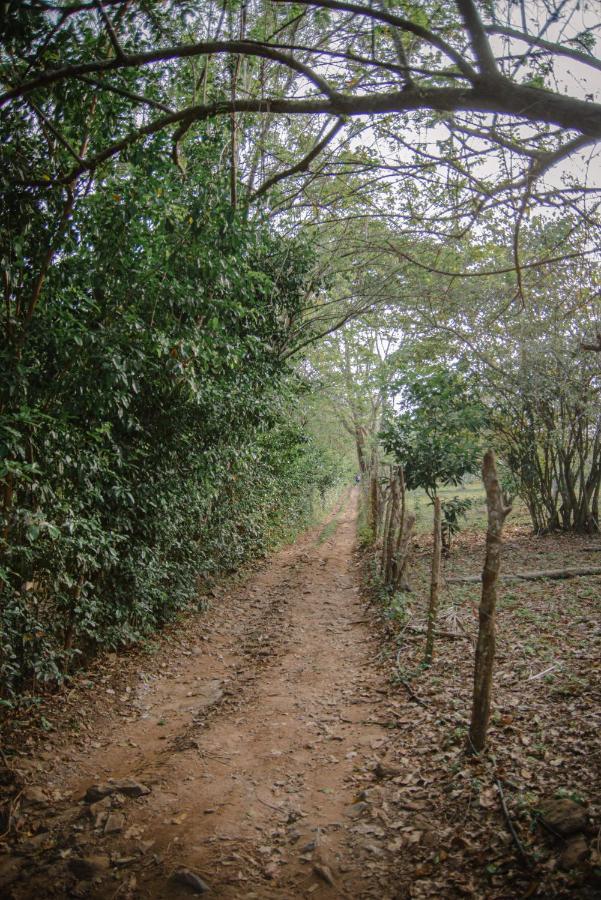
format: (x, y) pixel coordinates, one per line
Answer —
(285, 743)
(255, 741)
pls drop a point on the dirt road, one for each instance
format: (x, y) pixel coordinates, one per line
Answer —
(256, 744)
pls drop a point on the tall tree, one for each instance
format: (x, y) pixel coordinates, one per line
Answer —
(350, 369)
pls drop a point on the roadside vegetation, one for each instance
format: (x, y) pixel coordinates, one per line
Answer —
(254, 251)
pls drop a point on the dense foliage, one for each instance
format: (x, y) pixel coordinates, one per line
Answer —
(145, 433)
(548, 429)
(524, 354)
(434, 434)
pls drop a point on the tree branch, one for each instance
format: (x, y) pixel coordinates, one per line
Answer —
(488, 272)
(559, 49)
(399, 22)
(166, 54)
(301, 166)
(110, 30)
(62, 140)
(477, 35)
(123, 92)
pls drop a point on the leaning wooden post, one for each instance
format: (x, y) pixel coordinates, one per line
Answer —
(393, 537)
(401, 582)
(388, 557)
(434, 582)
(373, 499)
(403, 497)
(382, 532)
(485, 648)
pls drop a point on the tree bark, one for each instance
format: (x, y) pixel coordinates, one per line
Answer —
(485, 648)
(394, 538)
(402, 554)
(361, 446)
(393, 526)
(374, 496)
(434, 582)
(384, 526)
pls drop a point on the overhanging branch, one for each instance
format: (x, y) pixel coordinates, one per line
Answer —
(301, 166)
(556, 49)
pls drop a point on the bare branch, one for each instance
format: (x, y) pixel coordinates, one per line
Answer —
(478, 39)
(302, 165)
(537, 264)
(557, 49)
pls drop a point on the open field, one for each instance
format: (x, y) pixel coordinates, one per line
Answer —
(419, 503)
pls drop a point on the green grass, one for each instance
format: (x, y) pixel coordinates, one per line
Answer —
(334, 507)
(328, 530)
(418, 502)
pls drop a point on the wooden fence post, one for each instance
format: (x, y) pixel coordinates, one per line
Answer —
(434, 582)
(373, 496)
(485, 648)
(393, 524)
(402, 553)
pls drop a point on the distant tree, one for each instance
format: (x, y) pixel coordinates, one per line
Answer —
(350, 371)
(434, 436)
(547, 425)
(524, 351)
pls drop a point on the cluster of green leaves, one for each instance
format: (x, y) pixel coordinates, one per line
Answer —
(434, 435)
(144, 408)
(453, 511)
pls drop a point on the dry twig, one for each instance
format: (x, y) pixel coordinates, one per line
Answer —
(526, 859)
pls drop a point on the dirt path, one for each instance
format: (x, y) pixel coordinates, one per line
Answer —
(256, 744)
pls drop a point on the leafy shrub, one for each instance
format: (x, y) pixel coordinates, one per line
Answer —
(453, 511)
(435, 434)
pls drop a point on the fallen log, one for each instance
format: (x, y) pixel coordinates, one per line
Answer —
(555, 574)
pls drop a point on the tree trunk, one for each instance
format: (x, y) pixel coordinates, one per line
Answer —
(361, 447)
(374, 496)
(393, 526)
(402, 554)
(434, 583)
(485, 648)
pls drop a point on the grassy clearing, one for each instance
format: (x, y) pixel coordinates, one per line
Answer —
(419, 503)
